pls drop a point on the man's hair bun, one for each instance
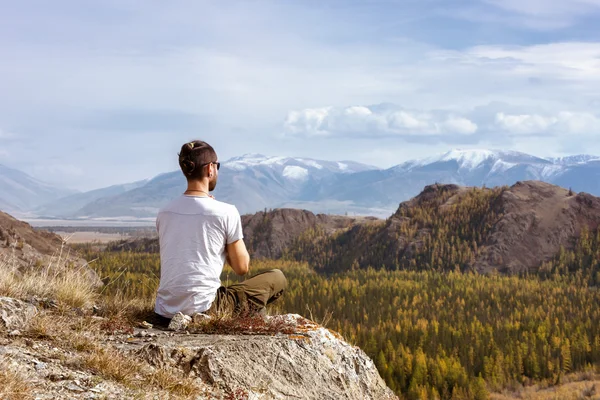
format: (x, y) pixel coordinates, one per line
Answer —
(194, 154)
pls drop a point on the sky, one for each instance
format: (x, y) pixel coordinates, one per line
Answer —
(97, 93)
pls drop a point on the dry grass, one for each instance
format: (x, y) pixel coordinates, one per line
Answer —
(241, 325)
(73, 288)
(85, 337)
(120, 306)
(59, 280)
(573, 389)
(113, 365)
(13, 383)
(181, 386)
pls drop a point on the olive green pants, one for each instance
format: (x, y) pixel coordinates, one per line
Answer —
(250, 296)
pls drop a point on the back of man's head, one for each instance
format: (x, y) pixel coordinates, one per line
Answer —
(193, 156)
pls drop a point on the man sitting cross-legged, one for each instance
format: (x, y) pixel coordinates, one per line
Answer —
(197, 234)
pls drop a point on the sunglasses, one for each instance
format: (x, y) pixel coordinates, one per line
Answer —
(218, 164)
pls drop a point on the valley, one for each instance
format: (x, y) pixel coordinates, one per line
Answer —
(462, 293)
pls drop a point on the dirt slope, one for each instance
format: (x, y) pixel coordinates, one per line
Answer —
(21, 243)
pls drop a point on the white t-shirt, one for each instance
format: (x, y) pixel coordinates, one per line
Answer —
(192, 233)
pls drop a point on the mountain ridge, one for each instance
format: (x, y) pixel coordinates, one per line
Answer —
(254, 181)
(22, 192)
(506, 229)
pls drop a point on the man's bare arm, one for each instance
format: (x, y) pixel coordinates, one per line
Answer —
(238, 257)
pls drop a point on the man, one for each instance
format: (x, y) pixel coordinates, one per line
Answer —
(197, 234)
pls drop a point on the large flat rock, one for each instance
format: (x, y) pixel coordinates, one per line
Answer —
(314, 363)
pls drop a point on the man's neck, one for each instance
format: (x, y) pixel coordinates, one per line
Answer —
(197, 188)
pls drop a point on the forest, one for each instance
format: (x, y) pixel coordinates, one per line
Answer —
(432, 334)
(406, 292)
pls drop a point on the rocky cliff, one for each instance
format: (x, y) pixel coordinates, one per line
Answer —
(45, 355)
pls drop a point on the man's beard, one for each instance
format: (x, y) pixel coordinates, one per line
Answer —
(212, 184)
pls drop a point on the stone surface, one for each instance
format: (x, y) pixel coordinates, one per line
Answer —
(313, 363)
(179, 322)
(15, 314)
(307, 362)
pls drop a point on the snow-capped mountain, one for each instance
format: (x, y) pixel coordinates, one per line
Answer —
(385, 188)
(20, 192)
(573, 160)
(253, 182)
(295, 168)
(473, 158)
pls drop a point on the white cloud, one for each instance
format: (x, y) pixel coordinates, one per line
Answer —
(460, 125)
(309, 122)
(375, 121)
(395, 122)
(571, 61)
(563, 123)
(239, 67)
(524, 123)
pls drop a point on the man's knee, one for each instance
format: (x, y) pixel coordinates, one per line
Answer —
(279, 279)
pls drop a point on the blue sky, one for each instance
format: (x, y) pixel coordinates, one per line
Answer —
(103, 92)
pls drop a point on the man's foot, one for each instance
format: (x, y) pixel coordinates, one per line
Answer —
(200, 317)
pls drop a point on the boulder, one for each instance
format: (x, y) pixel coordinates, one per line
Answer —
(15, 314)
(312, 363)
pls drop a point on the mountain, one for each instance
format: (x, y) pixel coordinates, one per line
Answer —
(252, 182)
(383, 188)
(21, 192)
(256, 182)
(64, 206)
(446, 227)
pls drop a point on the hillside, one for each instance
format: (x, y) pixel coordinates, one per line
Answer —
(508, 229)
(62, 338)
(267, 234)
(449, 227)
(20, 242)
(270, 233)
(22, 192)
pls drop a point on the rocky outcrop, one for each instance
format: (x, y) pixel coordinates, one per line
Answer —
(312, 363)
(15, 314)
(84, 357)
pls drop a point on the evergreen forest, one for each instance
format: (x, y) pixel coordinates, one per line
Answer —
(437, 332)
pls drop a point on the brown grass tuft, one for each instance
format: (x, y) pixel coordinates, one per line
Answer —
(59, 280)
(177, 385)
(13, 383)
(111, 364)
(122, 307)
(242, 325)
